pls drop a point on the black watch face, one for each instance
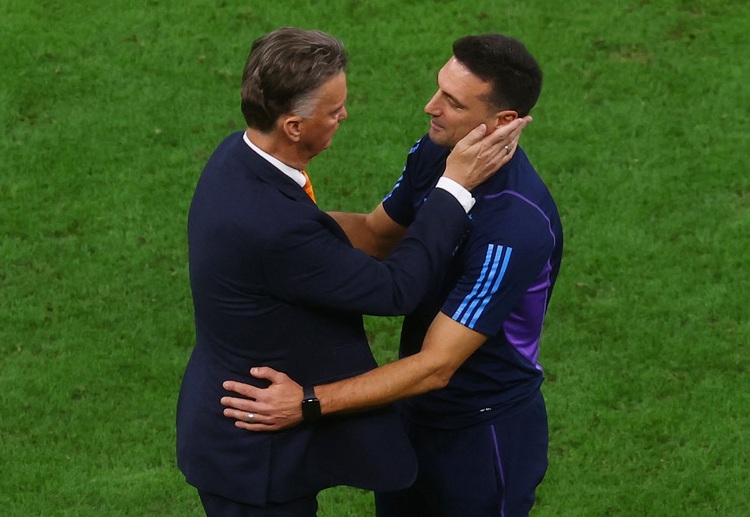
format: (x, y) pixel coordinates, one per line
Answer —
(310, 409)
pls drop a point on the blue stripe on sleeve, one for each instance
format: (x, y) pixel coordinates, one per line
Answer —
(487, 284)
(397, 185)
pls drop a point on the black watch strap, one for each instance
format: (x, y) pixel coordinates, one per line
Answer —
(310, 404)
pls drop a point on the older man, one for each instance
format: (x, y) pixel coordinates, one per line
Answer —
(275, 281)
(476, 415)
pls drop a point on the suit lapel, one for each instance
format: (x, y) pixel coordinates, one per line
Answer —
(257, 167)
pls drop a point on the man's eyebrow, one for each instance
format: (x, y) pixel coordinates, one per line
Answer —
(453, 99)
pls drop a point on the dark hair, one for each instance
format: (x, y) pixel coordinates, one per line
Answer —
(284, 70)
(505, 63)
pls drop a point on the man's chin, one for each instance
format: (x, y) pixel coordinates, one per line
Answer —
(438, 137)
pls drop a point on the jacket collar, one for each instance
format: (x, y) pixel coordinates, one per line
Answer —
(266, 172)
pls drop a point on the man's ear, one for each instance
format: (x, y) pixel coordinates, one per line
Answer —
(291, 125)
(505, 117)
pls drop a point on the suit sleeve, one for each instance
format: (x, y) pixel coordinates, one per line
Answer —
(311, 265)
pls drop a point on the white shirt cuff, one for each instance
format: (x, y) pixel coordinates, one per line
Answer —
(462, 195)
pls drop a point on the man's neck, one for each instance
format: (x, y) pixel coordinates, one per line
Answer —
(278, 147)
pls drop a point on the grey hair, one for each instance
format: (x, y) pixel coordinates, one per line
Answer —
(283, 72)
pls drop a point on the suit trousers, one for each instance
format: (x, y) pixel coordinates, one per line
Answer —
(217, 506)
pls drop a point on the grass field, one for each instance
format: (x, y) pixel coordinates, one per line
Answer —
(110, 109)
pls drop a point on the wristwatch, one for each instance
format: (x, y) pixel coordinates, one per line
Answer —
(310, 404)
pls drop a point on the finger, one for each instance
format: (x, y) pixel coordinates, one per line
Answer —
(504, 134)
(240, 404)
(258, 427)
(474, 136)
(516, 133)
(246, 390)
(257, 423)
(514, 143)
(268, 373)
(247, 417)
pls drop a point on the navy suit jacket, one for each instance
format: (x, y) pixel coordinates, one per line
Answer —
(276, 282)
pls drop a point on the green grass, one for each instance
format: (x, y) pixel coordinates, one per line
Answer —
(109, 111)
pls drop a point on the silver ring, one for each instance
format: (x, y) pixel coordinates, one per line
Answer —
(250, 417)
(507, 149)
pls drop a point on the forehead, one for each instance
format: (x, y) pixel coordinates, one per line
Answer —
(333, 91)
(456, 80)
